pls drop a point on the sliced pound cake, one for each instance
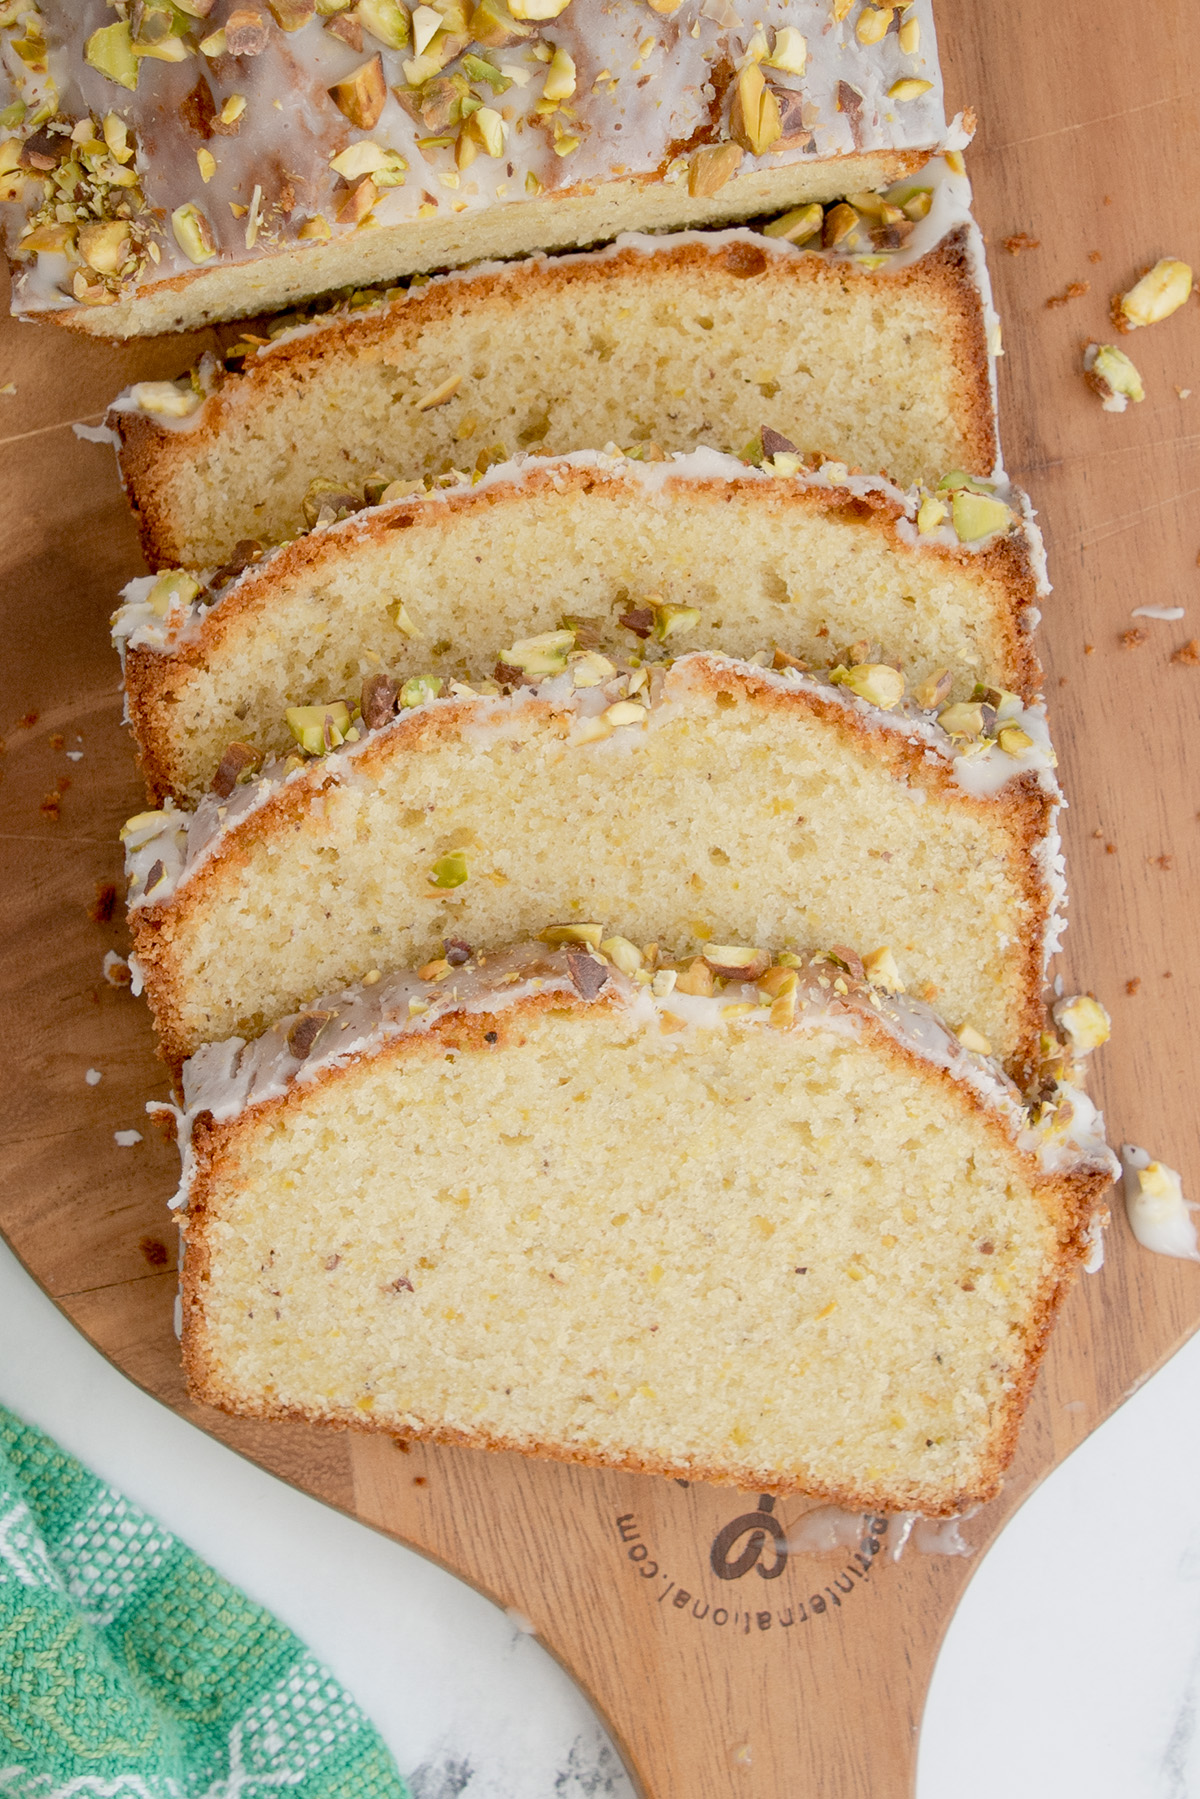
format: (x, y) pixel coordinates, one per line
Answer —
(711, 802)
(681, 341)
(698, 551)
(220, 163)
(793, 1237)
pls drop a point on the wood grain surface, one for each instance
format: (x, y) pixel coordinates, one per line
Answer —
(808, 1681)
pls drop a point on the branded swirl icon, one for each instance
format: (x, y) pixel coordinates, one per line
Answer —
(758, 1528)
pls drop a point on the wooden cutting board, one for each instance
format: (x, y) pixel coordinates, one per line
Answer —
(720, 1668)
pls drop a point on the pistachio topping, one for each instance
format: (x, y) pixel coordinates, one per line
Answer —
(319, 729)
(1161, 291)
(1084, 1021)
(1111, 374)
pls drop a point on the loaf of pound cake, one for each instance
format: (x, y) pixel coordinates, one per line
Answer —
(714, 801)
(167, 165)
(790, 1236)
(881, 361)
(698, 551)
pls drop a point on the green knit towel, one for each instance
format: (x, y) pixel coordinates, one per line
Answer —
(129, 1669)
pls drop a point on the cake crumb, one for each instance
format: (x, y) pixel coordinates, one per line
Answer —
(1130, 639)
(1021, 240)
(1164, 862)
(1188, 654)
(1074, 290)
(51, 806)
(29, 719)
(1110, 849)
(1089, 649)
(57, 741)
(1062, 680)
(1095, 256)
(117, 971)
(1133, 985)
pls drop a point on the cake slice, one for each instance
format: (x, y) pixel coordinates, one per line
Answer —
(713, 802)
(792, 1237)
(167, 166)
(700, 551)
(881, 361)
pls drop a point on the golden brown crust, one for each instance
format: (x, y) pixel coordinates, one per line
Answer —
(155, 680)
(1069, 1200)
(1018, 817)
(150, 454)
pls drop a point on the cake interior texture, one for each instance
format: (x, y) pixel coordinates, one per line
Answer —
(738, 813)
(693, 341)
(798, 1259)
(763, 563)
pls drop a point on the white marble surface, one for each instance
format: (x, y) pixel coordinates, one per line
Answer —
(1072, 1666)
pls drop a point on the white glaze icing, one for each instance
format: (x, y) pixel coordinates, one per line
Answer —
(1160, 1216)
(226, 1079)
(644, 90)
(163, 849)
(136, 625)
(1169, 613)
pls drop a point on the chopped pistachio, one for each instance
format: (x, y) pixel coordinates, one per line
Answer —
(978, 515)
(881, 970)
(962, 720)
(386, 20)
(116, 136)
(537, 9)
(934, 692)
(426, 23)
(974, 1040)
(175, 588)
(111, 51)
(625, 712)
(206, 162)
(449, 870)
(1014, 741)
(318, 729)
(214, 44)
(876, 682)
(910, 36)
(789, 52)
(360, 96)
(710, 168)
(1111, 373)
(291, 15)
(193, 233)
(560, 77)
(736, 961)
(840, 221)
(910, 87)
(105, 247)
(873, 24)
(592, 730)
(589, 934)
(1159, 293)
(165, 399)
(797, 226)
(590, 669)
(317, 229)
(1085, 1022)
(783, 1007)
(486, 127)
(622, 954)
(754, 118)
(438, 396)
(930, 514)
(697, 979)
(544, 655)
(418, 690)
(669, 620)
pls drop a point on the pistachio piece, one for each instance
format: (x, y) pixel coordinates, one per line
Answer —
(840, 221)
(361, 95)
(418, 690)
(165, 399)
(379, 698)
(305, 1031)
(1159, 293)
(1085, 1022)
(930, 514)
(493, 26)
(776, 980)
(977, 515)
(880, 970)
(333, 499)
(174, 588)
(589, 934)
(544, 655)
(663, 982)
(958, 477)
(560, 77)
(590, 669)
(385, 20)
(963, 720)
(486, 128)
(710, 168)
(934, 692)
(876, 682)
(797, 226)
(437, 970)
(909, 87)
(873, 22)
(789, 53)
(623, 954)
(736, 962)
(1110, 373)
(398, 613)
(105, 247)
(783, 1007)
(449, 870)
(625, 712)
(290, 15)
(591, 730)
(670, 620)
(319, 729)
(974, 1040)
(910, 36)
(696, 979)
(110, 50)
(245, 32)
(1013, 740)
(537, 9)
(238, 760)
(193, 233)
(754, 119)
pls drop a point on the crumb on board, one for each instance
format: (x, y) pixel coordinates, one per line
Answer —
(1133, 985)
(1089, 649)
(1110, 849)
(1165, 862)
(1021, 240)
(57, 741)
(1095, 256)
(1130, 639)
(1188, 654)
(1074, 290)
